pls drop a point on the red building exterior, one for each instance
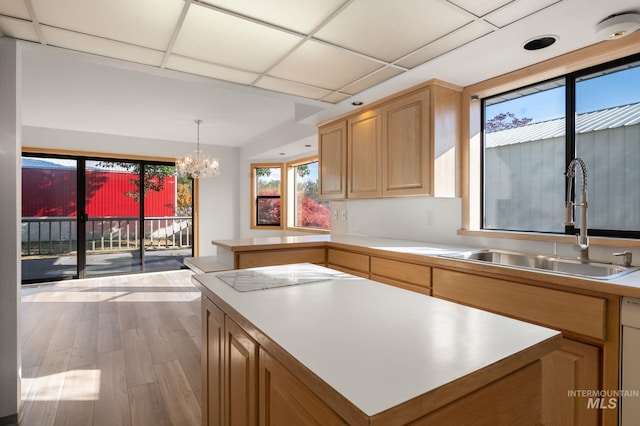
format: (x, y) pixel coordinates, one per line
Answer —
(52, 192)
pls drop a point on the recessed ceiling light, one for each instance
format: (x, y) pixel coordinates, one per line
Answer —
(540, 42)
(282, 153)
(307, 146)
(618, 26)
(357, 103)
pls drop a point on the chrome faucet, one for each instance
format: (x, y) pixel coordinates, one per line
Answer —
(582, 244)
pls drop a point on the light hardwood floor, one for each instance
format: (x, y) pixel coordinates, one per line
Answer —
(112, 351)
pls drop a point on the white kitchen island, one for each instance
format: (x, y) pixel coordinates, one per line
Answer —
(301, 342)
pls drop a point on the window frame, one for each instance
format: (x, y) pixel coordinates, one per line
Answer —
(570, 81)
(254, 196)
(290, 195)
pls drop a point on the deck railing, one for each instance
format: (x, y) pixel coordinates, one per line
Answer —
(58, 235)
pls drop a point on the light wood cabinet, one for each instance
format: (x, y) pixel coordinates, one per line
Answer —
(346, 261)
(332, 155)
(213, 364)
(578, 365)
(575, 366)
(241, 376)
(230, 376)
(364, 154)
(403, 145)
(409, 276)
(252, 259)
(407, 159)
(285, 400)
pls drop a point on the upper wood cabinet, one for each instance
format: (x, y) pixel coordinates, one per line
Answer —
(364, 154)
(407, 161)
(403, 145)
(332, 155)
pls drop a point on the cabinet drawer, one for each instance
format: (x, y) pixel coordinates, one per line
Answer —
(349, 260)
(410, 273)
(280, 257)
(561, 310)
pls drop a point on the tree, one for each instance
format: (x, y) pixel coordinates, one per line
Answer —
(504, 121)
(184, 200)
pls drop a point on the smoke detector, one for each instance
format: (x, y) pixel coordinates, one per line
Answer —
(618, 26)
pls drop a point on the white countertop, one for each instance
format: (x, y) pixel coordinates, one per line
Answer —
(375, 344)
(626, 285)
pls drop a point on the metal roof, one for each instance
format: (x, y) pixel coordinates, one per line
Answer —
(626, 115)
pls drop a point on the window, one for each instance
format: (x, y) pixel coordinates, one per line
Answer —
(291, 198)
(305, 208)
(531, 134)
(266, 193)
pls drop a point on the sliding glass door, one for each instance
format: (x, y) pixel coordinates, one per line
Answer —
(129, 216)
(49, 230)
(112, 217)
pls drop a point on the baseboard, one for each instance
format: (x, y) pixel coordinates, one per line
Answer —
(11, 420)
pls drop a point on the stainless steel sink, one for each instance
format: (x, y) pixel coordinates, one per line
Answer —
(588, 269)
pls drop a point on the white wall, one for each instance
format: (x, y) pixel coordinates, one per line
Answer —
(219, 218)
(10, 66)
(416, 218)
(408, 219)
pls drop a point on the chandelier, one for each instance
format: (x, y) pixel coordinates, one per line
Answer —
(197, 165)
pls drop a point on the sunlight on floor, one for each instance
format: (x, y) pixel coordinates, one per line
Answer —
(79, 385)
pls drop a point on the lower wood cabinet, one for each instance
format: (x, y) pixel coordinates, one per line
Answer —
(575, 366)
(241, 376)
(253, 259)
(212, 352)
(230, 379)
(346, 261)
(409, 276)
(285, 400)
(579, 364)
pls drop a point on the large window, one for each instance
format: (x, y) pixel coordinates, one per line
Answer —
(530, 135)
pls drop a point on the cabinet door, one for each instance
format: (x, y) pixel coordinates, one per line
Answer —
(241, 376)
(401, 274)
(332, 156)
(573, 367)
(364, 144)
(349, 262)
(407, 154)
(213, 364)
(285, 400)
(281, 257)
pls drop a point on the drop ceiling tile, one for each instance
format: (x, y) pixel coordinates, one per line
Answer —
(231, 41)
(325, 66)
(447, 43)
(15, 9)
(302, 16)
(517, 10)
(193, 66)
(146, 23)
(377, 77)
(388, 30)
(480, 7)
(16, 28)
(336, 97)
(101, 46)
(291, 87)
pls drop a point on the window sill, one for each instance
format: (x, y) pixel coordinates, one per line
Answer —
(309, 230)
(537, 236)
